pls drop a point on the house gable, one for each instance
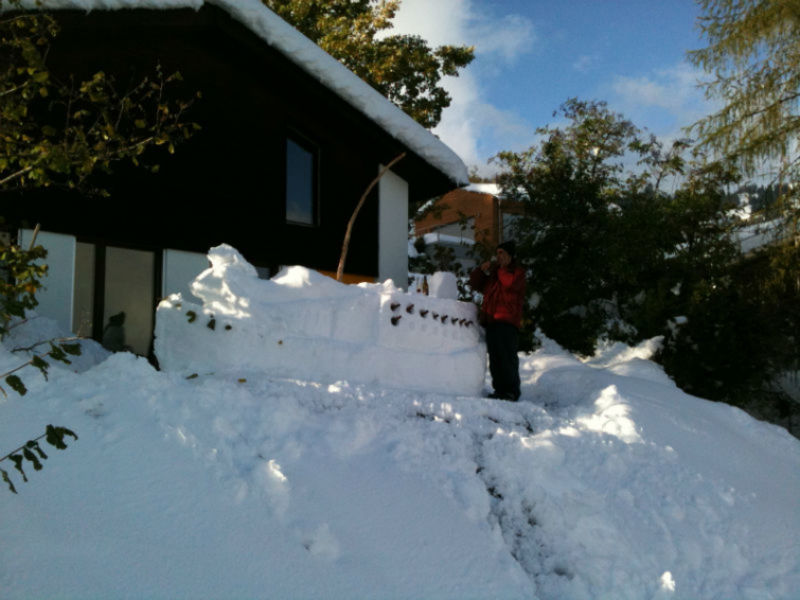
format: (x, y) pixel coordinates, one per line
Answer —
(253, 97)
(459, 206)
(477, 213)
(227, 184)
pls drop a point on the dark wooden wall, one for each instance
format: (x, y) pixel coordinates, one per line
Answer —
(227, 183)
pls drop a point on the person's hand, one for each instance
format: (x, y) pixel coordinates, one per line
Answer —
(503, 257)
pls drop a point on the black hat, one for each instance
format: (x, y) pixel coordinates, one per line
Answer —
(509, 246)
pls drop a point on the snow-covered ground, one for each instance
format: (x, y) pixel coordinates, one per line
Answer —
(604, 481)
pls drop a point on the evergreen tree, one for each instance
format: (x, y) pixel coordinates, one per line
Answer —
(753, 57)
(753, 60)
(401, 67)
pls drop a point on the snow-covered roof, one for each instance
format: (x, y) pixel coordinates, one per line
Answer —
(443, 238)
(312, 59)
(484, 188)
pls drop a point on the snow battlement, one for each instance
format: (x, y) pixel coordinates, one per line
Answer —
(304, 325)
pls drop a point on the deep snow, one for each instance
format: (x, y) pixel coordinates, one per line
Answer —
(604, 481)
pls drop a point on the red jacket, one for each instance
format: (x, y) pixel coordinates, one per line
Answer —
(503, 292)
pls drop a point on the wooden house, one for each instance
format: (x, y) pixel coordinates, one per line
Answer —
(289, 141)
(461, 218)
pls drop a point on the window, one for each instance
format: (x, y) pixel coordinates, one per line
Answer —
(128, 292)
(301, 182)
(114, 295)
(509, 226)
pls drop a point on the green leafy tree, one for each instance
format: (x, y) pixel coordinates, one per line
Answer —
(21, 274)
(571, 186)
(611, 255)
(432, 258)
(404, 68)
(55, 132)
(31, 452)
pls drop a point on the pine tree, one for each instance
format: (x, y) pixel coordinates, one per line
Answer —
(753, 56)
(753, 60)
(401, 67)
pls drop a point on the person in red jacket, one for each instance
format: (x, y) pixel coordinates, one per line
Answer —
(502, 283)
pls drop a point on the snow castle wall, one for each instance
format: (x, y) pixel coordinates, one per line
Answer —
(304, 325)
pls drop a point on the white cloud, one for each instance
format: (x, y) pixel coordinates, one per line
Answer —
(461, 22)
(471, 125)
(673, 92)
(646, 91)
(510, 37)
(585, 62)
(476, 129)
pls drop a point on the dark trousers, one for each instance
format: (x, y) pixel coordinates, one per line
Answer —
(501, 343)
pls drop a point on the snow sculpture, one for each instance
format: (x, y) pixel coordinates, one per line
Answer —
(304, 325)
(444, 285)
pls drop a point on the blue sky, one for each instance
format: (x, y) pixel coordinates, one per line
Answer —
(532, 55)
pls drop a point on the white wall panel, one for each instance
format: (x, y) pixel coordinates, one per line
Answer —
(55, 297)
(180, 269)
(393, 230)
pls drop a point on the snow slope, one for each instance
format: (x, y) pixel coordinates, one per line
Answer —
(604, 481)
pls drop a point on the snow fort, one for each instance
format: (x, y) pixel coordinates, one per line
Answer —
(304, 325)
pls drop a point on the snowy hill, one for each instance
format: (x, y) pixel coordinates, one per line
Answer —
(604, 481)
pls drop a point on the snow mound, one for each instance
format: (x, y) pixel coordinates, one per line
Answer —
(632, 361)
(304, 325)
(33, 335)
(444, 285)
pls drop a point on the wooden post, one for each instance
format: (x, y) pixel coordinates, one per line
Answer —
(33, 237)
